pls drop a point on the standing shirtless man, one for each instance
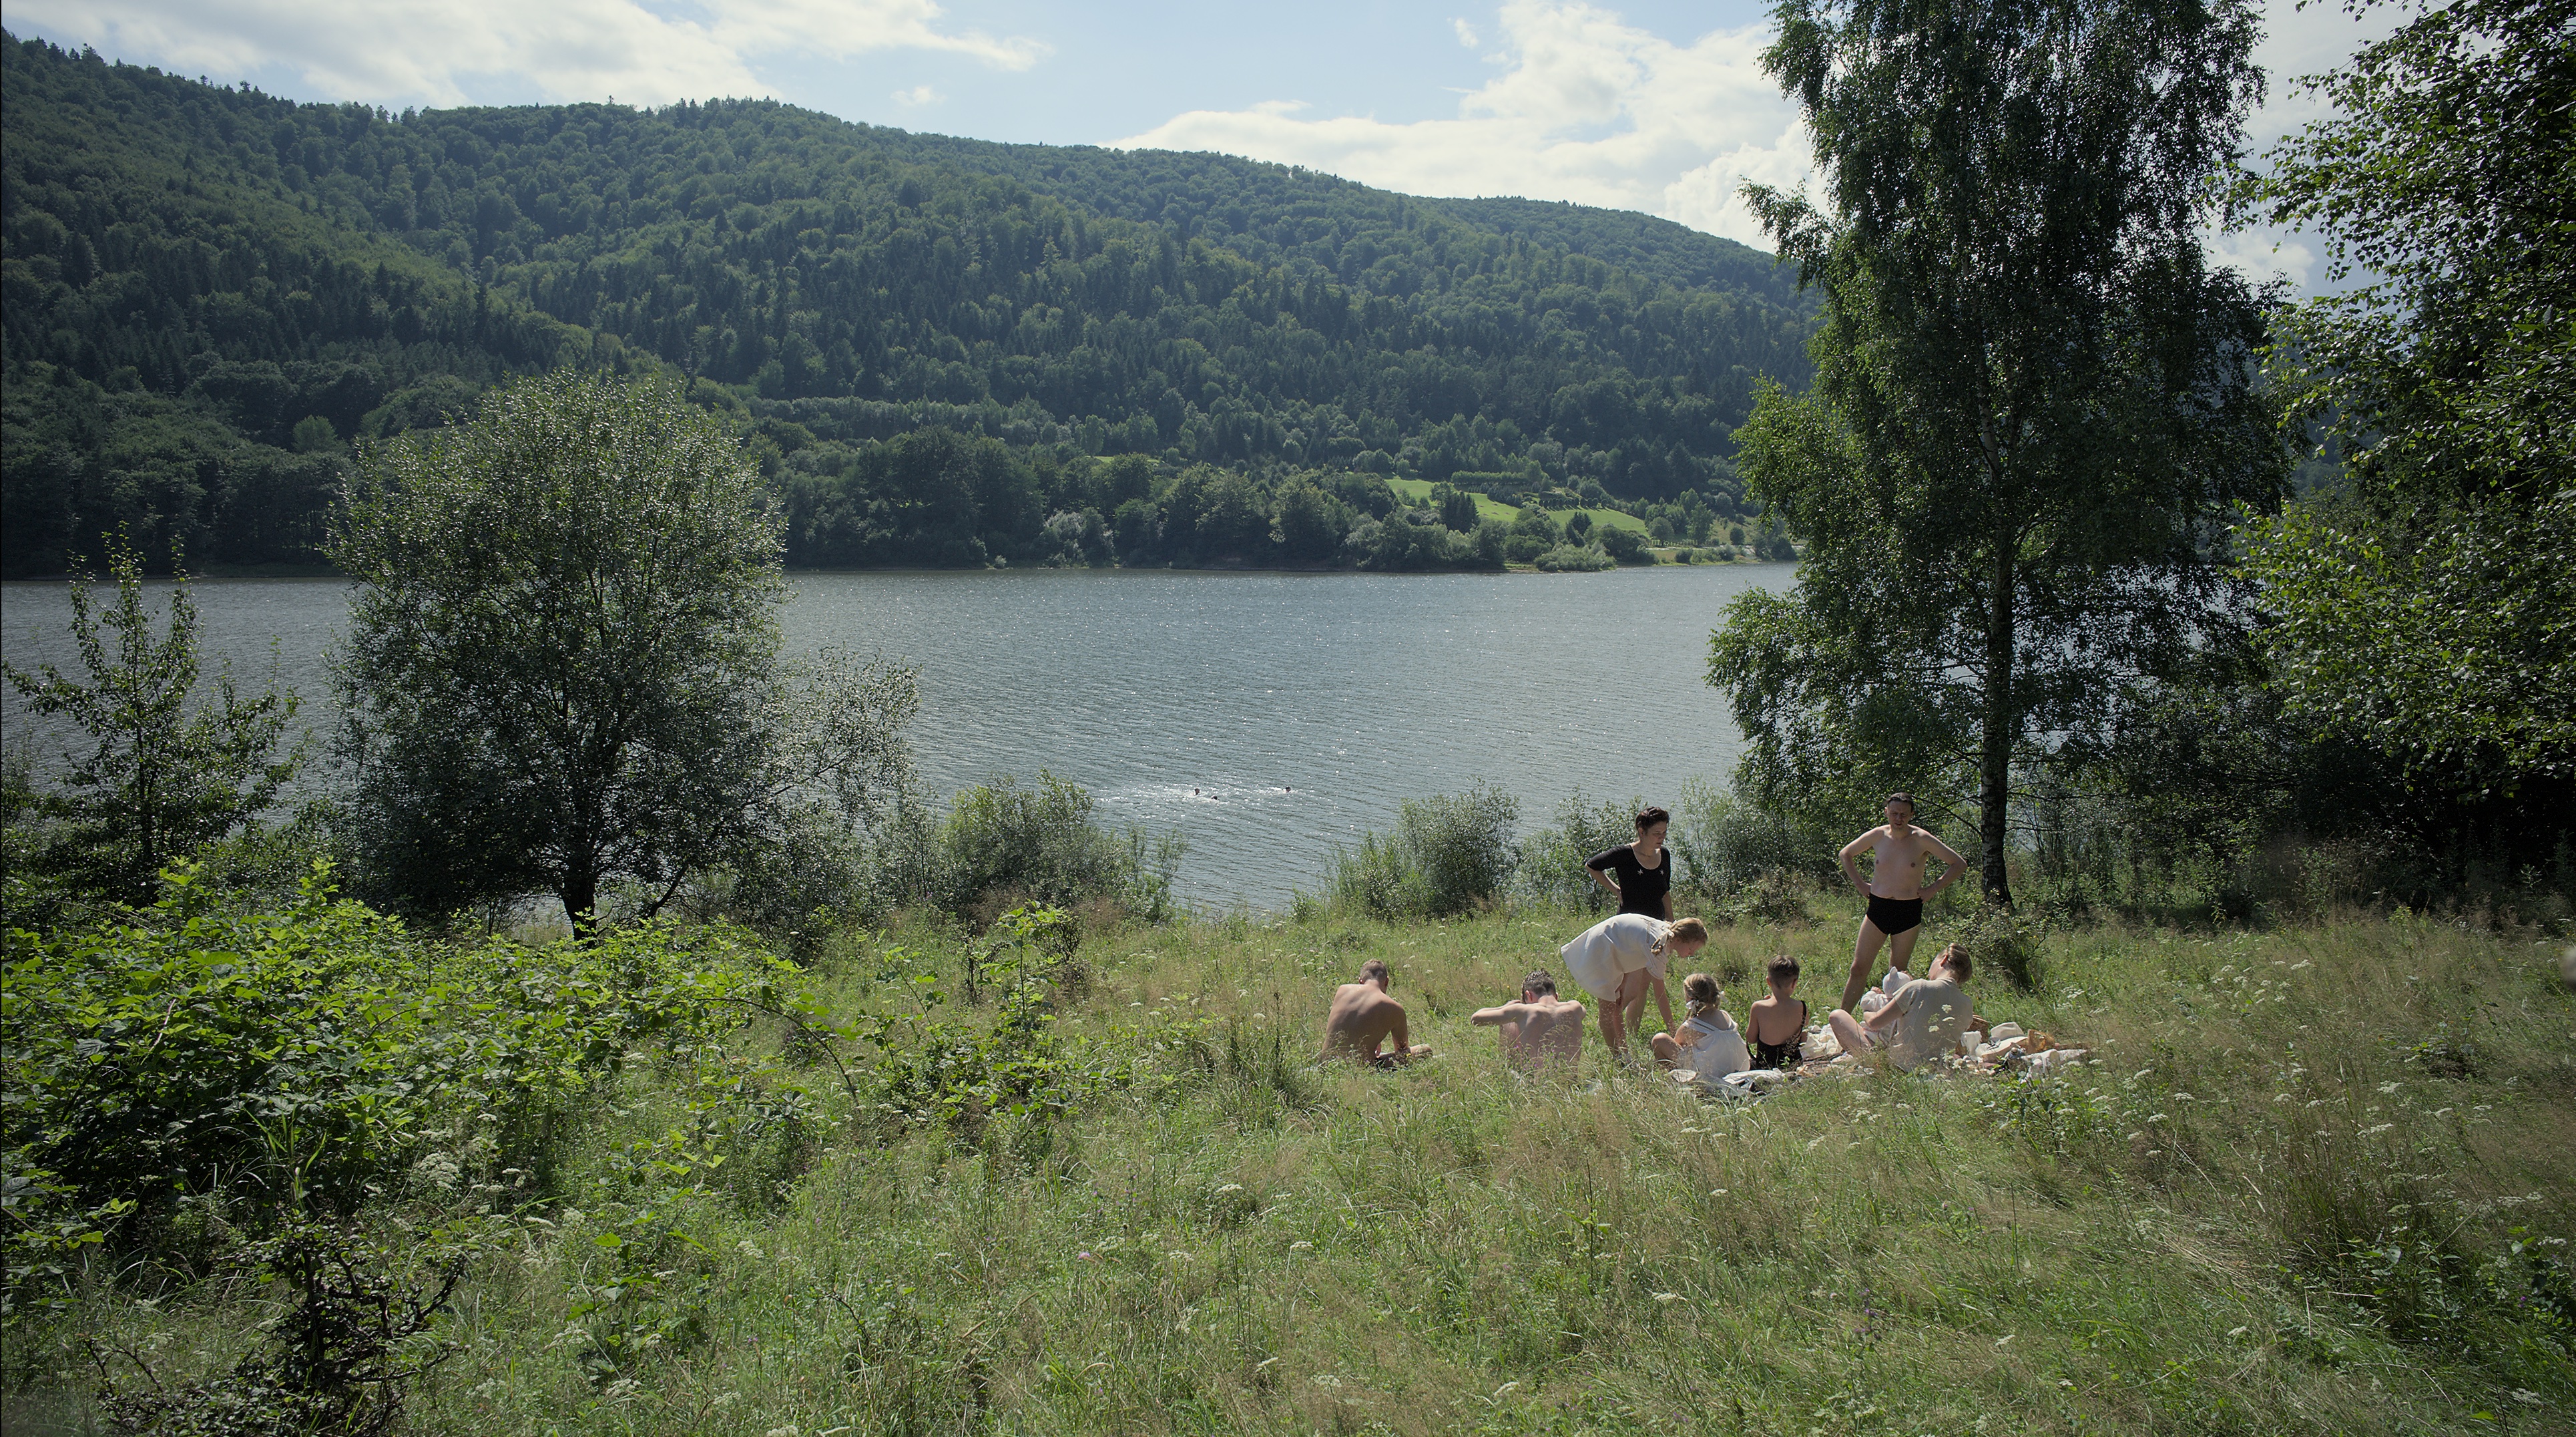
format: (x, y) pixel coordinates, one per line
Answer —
(1894, 889)
(1539, 1029)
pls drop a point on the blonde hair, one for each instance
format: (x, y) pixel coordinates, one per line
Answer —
(1687, 930)
(1700, 991)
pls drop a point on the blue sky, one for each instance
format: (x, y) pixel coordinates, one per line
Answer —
(1646, 105)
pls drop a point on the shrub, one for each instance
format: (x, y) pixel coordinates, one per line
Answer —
(1002, 843)
(1575, 558)
(1449, 853)
(1772, 897)
(1550, 865)
(961, 1072)
(360, 1328)
(164, 774)
(147, 1060)
(1625, 546)
(1726, 841)
(2005, 944)
(287, 1064)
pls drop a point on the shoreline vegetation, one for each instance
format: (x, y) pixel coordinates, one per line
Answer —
(1662, 557)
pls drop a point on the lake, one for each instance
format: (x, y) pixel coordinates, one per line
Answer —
(1267, 718)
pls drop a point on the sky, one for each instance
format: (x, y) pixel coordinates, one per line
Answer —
(1642, 105)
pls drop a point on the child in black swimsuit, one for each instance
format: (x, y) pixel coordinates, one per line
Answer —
(1771, 1015)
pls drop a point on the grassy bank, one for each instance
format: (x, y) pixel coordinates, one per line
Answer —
(1418, 491)
(2320, 1183)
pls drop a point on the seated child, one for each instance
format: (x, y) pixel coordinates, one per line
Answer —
(1774, 1025)
(1706, 1043)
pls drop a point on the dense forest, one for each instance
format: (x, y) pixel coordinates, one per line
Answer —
(934, 345)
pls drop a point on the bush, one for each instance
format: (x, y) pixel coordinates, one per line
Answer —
(1625, 546)
(360, 1328)
(272, 1066)
(1449, 854)
(1551, 860)
(1002, 843)
(1726, 842)
(2005, 945)
(1575, 559)
(1773, 898)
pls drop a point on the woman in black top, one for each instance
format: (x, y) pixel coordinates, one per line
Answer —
(1639, 874)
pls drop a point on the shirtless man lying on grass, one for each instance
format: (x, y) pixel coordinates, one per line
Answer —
(1894, 889)
(1363, 1017)
(1540, 1029)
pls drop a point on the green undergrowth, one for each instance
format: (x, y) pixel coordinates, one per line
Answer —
(1056, 1179)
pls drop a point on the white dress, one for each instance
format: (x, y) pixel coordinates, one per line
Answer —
(1609, 950)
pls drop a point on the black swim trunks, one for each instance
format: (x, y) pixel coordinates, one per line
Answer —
(1892, 916)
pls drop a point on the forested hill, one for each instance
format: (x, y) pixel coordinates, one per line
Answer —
(212, 293)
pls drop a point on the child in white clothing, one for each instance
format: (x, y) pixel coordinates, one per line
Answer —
(1706, 1043)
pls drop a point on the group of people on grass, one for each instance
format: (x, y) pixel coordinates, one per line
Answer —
(1622, 960)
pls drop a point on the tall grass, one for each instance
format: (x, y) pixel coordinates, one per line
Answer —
(2318, 1183)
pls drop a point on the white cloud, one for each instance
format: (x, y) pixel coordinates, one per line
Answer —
(1587, 108)
(918, 95)
(440, 52)
(1591, 109)
(2262, 253)
(2300, 39)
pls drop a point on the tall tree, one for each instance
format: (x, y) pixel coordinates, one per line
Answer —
(2034, 407)
(163, 774)
(562, 663)
(2428, 610)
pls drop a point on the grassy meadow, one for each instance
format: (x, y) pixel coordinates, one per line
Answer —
(1418, 491)
(2319, 1182)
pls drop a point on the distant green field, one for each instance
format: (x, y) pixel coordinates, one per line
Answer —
(1418, 491)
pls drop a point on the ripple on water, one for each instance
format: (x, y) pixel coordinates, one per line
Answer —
(1265, 717)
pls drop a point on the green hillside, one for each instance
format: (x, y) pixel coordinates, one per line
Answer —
(211, 293)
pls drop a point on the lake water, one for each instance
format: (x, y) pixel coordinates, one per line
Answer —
(1265, 717)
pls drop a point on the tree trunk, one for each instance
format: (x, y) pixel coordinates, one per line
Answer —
(581, 899)
(1996, 743)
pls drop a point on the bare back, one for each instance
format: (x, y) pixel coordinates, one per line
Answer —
(1542, 1031)
(1361, 1018)
(1774, 1019)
